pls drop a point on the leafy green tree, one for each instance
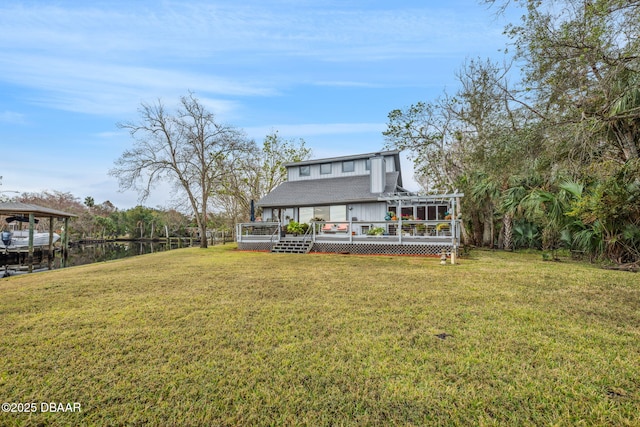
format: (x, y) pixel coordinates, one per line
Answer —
(512, 208)
(581, 64)
(430, 132)
(258, 175)
(141, 222)
(472, 141)
(607, 216)
(106, 226)
(176, 222)
(89, 202)
(582, 75)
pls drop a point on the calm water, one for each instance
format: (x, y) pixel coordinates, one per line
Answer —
(80, 254)
(98, 252)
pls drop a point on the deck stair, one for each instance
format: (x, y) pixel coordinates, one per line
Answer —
(292, 246)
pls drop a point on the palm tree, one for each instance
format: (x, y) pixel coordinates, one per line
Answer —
(485, 192)
(606, 216)
(511, 206)
(550, 207)
(89, 202)
(623, 122)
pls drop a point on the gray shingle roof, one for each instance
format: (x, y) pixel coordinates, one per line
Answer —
(328, 191)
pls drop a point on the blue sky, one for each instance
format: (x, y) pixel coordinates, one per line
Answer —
(328, 72)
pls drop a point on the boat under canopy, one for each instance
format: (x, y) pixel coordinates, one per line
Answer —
(29, 238)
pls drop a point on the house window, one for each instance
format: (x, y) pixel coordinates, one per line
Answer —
(408, 211)
(436, 212)
(367, 164)
(325, 168)
(442, 212)
(338, 213)
(321, 212)
(431, 213)
(326, 213)
(305, 170)
(305, 214)
(348, 166)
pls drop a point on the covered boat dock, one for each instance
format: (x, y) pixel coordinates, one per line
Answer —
(28, 213)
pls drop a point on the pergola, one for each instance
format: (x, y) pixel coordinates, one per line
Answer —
(452, 200)
(33, 211)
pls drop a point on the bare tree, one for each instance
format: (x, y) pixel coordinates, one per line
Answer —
(189, 149)
(259, 174)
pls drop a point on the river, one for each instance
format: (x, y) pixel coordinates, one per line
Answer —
(88, 253)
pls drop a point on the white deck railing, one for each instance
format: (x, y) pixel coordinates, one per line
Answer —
(399, 231)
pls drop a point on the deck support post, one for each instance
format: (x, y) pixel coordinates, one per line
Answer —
(454, 232)
(50, 252)
(32, 224)
(65, 243)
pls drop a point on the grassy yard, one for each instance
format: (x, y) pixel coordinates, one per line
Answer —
(221, 337)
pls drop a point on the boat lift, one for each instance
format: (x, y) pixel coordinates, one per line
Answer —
(29, 212)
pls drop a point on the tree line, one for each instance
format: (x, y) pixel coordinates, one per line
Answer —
(545, 144)
(215, 169)
(105, 221)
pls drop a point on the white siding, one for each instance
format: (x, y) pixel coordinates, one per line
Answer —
(368, 211)
(293, 172)
(391, 164)
(378, 175)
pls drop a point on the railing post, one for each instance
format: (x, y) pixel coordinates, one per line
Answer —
(454, 232)
(399, 213)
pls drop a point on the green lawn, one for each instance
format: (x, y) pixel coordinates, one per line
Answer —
(222, 337)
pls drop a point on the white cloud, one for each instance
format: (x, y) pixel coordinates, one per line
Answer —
(105, 60)
(75, 85)
(12, 117)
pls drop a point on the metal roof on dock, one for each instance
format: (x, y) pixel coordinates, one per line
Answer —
(12, 208)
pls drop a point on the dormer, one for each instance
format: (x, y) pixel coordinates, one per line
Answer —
(340, 167)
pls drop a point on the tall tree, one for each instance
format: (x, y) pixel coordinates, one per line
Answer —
(470, 141)
(189, 148)
(89, 202)
(259, 174)
(581, 61)
(431, 134)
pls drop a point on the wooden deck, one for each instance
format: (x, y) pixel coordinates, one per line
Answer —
(415, 237)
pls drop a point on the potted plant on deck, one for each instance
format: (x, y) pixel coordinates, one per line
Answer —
(295, 228)
(376, 231)
(442, 227)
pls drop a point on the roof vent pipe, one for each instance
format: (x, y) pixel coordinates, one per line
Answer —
(378, 174)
